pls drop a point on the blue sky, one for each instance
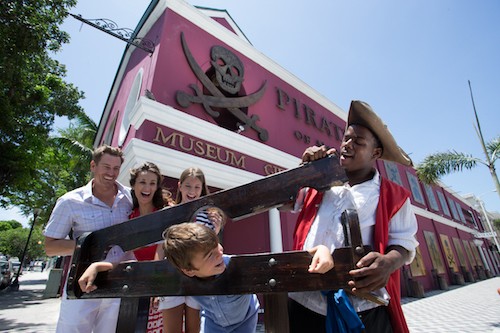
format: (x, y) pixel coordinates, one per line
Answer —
(410, 60)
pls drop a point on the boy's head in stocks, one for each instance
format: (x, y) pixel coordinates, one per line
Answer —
(194, 249)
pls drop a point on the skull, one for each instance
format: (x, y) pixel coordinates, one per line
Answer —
(228, 69)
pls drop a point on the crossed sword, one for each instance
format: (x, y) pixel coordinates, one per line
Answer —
(218, 99)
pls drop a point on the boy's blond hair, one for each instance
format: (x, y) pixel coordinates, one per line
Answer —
(184, 241)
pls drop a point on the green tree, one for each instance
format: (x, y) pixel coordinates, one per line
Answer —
(436, 165)
(496, 223)
(32, 89)
(64, 165)
(12, 242)
(10, 224)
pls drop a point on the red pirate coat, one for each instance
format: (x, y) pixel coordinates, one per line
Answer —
(392, 198)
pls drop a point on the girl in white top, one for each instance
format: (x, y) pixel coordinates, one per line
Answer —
(179, 310)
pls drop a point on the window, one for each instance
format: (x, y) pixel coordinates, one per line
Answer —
(131, 101)
(435, 253)
(415, 188)
(392, 172)
(472, 219)
(431, 197)
(444, 205)
(460, 213)
(453, 209)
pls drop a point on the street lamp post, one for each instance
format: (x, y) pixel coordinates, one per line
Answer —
(15, 284)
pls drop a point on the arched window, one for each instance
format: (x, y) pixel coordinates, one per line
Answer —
(132, 99)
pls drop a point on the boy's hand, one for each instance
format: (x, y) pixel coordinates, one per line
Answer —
(216, 218)
(322, 260)
(86, 281)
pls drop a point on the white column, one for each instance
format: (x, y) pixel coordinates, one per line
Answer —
(485, 213)
(275, 237)
(494, 262)
(479, 246)
(497, 260)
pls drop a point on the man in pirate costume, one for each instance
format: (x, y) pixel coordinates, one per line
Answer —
(387, 223)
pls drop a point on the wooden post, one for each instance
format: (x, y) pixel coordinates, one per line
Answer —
(276, 313)
(133, 315)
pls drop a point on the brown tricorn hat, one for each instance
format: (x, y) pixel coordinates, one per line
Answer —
(361, 113)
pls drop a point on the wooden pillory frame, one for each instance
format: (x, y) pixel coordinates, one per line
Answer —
(271, 274)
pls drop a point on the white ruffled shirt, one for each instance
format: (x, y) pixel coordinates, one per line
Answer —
(327, 230)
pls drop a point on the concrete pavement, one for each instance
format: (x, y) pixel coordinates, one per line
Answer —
(471, 308)
(474, 307)
(26, 310)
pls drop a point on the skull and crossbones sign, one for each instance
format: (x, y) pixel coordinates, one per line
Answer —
(229, 70)
(229, 73)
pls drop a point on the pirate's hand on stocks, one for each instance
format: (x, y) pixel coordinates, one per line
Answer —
(315, 153)
(374, 269)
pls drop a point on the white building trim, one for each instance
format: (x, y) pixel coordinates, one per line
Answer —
(165, 115)
(440, 219)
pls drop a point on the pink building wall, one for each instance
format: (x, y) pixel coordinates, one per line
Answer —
(293, 120)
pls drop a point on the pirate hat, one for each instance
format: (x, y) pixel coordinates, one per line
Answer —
(361, 113)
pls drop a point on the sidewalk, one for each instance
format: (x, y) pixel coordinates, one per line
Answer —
(474, 307)
(26, 310)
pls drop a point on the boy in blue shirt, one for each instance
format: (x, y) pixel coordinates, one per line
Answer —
(195, 250)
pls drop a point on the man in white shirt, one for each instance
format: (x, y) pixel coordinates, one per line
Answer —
(101, 203)
(387, 223)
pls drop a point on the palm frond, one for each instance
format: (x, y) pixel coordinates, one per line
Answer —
(493, 148)
(86, 122)
(437, 165)
(73, 147)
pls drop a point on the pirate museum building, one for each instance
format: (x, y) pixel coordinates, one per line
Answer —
(195, 92)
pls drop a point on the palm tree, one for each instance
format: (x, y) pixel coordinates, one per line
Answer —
(436, 165)
(77, 142)
(78, 139)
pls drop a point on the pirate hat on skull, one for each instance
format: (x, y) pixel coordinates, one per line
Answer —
(361, 113)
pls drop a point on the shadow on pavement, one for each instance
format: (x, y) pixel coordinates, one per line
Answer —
(21, 298)
(16, 326)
